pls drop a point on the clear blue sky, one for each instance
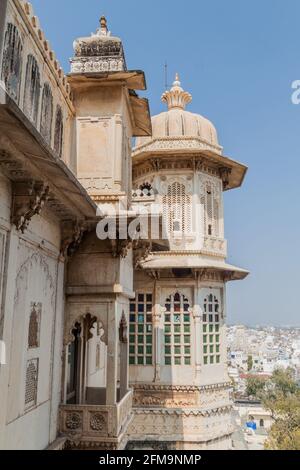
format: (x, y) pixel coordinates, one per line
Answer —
(238, 59)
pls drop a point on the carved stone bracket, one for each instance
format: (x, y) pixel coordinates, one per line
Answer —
(155, 163)
(72, 233)
(29, 199)
(120, 247)
(224, 175)
(142, 249)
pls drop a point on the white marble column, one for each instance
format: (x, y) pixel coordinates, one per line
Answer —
(124, 369)
(157, 339)
(57, 350)
(112, 355)
(198, 343)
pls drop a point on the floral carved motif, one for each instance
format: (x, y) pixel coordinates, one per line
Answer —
(97, 422)
(73, 421)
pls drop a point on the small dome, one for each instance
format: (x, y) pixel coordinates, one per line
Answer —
(178, 122)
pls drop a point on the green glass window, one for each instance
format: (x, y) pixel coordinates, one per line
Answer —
(140, 328)
(211, 325)
(177, 330)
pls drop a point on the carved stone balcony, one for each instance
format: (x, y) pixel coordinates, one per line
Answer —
(96, 426)
(215, 246)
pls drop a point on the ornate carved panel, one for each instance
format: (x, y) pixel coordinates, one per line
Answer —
(31, 384)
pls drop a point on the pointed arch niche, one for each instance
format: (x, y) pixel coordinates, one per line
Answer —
(86, 362)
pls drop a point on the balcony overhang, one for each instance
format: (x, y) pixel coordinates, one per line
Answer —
(202, 152)
(26, 157)
(194, 261)
(134, 79)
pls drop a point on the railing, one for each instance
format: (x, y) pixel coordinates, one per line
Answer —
(215, 246)
(92, 421)
(143, 195)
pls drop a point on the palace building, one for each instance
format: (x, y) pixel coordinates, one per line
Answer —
(113, 264)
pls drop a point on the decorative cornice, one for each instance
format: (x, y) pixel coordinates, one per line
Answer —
(90, 445)
(167, 143)
(181, 162)
(184, 412)
(182, 388)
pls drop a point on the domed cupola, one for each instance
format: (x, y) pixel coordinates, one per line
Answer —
(177, 123)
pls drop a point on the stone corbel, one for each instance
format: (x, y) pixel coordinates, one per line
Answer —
(120, 247)
(142, 249)
(224, 175)
(72, 233)
(154, 274)
(29, 199)
(155, 163)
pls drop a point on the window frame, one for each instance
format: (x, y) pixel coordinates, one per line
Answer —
(141, 329)
(177, 331)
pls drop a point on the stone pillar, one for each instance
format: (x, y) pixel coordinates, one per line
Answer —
(198, 343)
(3, 10)
(64, 374)
(223, 336)
(57, 350)
(118, 161)
(80, 371)
(124, 369)
(156, 332)
(112, 355)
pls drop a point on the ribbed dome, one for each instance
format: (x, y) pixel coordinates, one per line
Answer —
(177, 122)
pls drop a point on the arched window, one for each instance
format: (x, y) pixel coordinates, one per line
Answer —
(177, 209)
(46, 114)
(32, 89)
(140, 330)
(58, 134)
(177, 338)
(211, 205)
(261, 423)
(12, 62)
(211, 330)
